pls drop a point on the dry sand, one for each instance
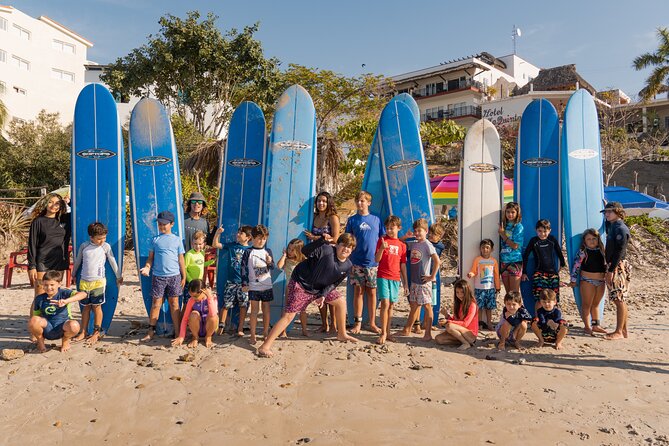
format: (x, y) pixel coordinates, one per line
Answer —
(320, 391)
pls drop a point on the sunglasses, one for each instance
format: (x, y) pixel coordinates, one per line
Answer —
(197, 202)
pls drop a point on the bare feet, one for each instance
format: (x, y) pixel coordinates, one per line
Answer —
(402, 332)
(465, 346)
(382, 339)
(262, 353)
(148, 336)
(80, 336)
(65, 346)
(240, 333)
(193, 343)
(41, 347)
(540, 343)
(613, 336)
(588, 331)
(558, 346)
(324, 329)
(356, 328)
(94, 337)
(221, 329)
(208, 342)
(625, 333)
(501, 345)
(283, 334)
(427, 337)
(305, 333)
(417, 329)
(598, 329)
(252, 339)
(374, 329)
(391, 338)
(516, 344)
(345, 337)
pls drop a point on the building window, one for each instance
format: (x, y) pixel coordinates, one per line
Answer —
(63, 46)
(20, 90)
(22, 32)
(3, 24)
(3, 56)
(62, 75)
(21, 63)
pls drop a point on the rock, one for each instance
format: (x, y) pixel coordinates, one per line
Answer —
(94, 420)
(57, 424)
(176, 378)
(445, 401)
(469, 373)
(140, 386)
(490, 358)
(188, 357)
(9, 354)
(283, 386)
(416, 367)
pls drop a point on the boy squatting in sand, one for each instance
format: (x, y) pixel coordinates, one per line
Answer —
(51, 314)
(513, 324)
(91, 258)
(548, 324)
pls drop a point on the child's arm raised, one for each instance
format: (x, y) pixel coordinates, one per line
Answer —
(282, 260)
(216, 241)
(381, 247)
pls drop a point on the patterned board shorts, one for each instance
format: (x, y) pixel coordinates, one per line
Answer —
(421, 293)
(545, 281)
(95, 290)
(297, 300)
(486, 299)
(512, 269)
(621, 281)
(234, 296)
(261, 296)
(169, 286)
(363, 276)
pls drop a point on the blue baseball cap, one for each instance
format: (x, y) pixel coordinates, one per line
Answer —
(165, 217)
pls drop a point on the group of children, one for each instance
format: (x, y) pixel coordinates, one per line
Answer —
(369, 253)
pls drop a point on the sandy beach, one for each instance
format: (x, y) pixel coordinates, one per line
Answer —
(320, 391)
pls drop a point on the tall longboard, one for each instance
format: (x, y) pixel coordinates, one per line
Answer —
(98, 181)
(155, 186)
(582, 177)
(242, 184)
(537, 178)
(480, 192)
(291, 179)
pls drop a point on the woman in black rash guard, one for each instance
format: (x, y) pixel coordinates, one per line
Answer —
(315, 280)
(49, 241)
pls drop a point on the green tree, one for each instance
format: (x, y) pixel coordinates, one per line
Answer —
(197, 71)
(39, 153)
(659, 59)
(3, 114)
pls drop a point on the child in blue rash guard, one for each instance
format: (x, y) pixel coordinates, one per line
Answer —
(513, 323)
(511, 233)
(51, 314)
(548, 324)
(544, 247)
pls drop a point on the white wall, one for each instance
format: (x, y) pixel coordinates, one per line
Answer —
(33, 85)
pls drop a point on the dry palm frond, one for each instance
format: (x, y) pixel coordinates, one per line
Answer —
(330, 156)
(14, 224)
(206, 159)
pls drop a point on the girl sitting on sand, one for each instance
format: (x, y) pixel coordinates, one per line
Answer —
(462, 326)
(292, 255)
(590, 268)
(200, 315)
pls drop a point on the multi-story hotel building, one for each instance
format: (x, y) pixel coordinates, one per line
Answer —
(457, 89)
(41, 65)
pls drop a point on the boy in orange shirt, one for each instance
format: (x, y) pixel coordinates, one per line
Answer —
(485, 269)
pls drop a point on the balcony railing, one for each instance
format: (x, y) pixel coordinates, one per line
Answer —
(458, 112)
(425, 92)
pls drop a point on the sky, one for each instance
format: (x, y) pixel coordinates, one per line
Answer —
(390, 37)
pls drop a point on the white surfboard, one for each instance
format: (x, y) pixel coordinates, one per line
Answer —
(480, 193)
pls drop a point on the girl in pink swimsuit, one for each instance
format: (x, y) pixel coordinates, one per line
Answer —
(200, 315)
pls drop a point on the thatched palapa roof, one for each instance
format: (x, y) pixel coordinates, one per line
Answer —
(557, 79)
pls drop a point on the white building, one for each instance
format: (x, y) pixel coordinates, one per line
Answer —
(41, 65)
(457, 89)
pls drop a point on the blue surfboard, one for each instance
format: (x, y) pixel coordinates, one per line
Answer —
(242, 184)
(291, 179)
(582, 177)
(98, 181)
(537, 179)
(155, 186)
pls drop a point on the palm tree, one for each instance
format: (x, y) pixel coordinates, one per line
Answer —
(659, 78)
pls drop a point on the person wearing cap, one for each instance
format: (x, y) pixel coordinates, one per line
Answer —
(618, 269)
(195, 219)
(169, 271)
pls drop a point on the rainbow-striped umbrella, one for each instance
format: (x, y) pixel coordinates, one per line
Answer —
(445, 189)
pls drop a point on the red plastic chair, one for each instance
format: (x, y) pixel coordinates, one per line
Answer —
(12, 263)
